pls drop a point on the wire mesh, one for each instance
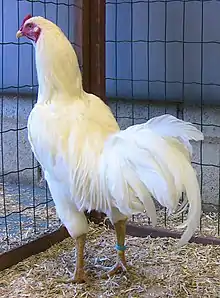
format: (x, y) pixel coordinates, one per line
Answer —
(26, 207)
(163, 57)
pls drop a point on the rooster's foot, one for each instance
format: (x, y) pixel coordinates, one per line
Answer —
(119, 267)
(79, 277)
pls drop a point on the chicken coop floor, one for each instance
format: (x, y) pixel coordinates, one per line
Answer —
(156, 269)
(25, 214)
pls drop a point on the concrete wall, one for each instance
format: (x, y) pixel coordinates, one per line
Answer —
(15, 152)
(210, 155)
(163, 49)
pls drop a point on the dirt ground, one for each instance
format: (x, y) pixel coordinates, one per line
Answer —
(156, 268)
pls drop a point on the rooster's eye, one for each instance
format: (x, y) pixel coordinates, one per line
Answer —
(29, 25)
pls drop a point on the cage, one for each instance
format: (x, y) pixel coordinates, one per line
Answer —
(143, 58)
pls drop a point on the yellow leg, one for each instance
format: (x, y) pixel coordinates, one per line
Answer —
(79, 274)
(120, 266)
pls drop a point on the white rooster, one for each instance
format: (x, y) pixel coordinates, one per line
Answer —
(89, 163)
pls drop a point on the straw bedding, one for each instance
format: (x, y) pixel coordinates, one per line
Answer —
(156, 269)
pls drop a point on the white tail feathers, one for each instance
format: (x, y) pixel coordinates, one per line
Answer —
(170, 126)
(153, 160)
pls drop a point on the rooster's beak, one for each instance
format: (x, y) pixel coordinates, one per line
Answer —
(19, 34)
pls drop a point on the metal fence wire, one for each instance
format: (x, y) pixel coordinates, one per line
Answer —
(164, 57)
(26, 207)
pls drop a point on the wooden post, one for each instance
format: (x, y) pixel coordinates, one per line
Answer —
(94, 57)
(94, 47)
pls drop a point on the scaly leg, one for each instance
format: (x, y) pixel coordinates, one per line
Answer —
(120, 266)
(75, 222)
(79, 274)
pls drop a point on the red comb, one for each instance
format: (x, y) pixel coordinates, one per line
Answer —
(26, 18)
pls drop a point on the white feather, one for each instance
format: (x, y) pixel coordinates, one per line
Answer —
(170, 126)
(161, 163)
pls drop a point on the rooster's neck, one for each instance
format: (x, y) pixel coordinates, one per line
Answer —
(57, 70)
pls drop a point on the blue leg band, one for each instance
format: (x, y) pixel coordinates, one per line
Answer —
(120, 247)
